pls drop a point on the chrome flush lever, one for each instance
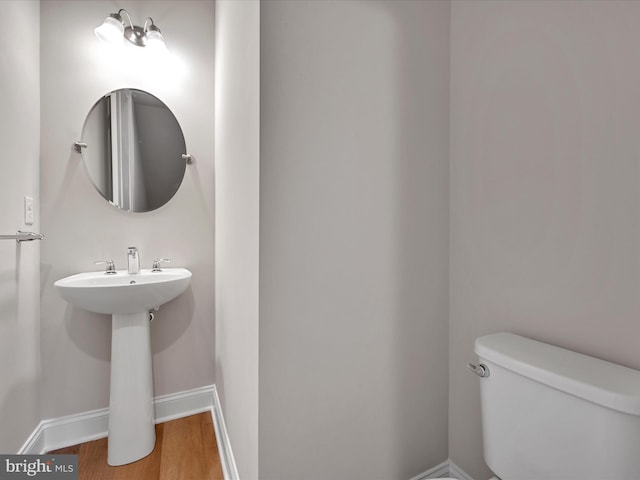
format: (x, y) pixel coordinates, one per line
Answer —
(481, 369)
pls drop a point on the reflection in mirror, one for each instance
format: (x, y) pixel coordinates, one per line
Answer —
(134, 148)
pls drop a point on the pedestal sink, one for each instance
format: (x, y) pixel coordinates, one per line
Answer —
(128, 299)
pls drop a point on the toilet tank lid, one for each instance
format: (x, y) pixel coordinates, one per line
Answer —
(598, 381)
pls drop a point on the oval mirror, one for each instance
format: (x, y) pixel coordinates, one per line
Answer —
(132, 150)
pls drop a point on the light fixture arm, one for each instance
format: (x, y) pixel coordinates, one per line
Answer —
(128, 16)
(149, 19)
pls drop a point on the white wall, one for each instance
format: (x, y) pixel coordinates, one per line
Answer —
(19, 264)
(237, 224)
(545, 182)
(76, 70)
(353, 239)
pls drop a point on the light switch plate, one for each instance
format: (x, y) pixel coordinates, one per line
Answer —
(28, 210)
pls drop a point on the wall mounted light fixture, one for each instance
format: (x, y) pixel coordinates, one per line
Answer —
(114, 32)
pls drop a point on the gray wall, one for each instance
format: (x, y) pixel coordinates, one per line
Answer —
(19, 264)
(93, 133)
(545, 217)
(237, 221)
(353, 239)
(76, 70)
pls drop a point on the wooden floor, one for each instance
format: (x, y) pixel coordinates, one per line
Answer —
(185, 449)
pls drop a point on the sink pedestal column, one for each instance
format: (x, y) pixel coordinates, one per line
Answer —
(132, 433)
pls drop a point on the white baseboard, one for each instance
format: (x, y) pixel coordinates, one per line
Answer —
(66, 431)
(443, 470)
(439, 471)
(457, 472)
(35, 443)
(182, 404)
(227, 460)
(70, 430)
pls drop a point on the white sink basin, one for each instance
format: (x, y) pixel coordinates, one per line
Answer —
(128, 298)
(123, 293)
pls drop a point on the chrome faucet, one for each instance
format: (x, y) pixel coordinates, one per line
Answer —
(156, 264)
(111, 267)
(133, 260)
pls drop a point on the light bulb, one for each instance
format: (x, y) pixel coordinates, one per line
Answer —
(112, 30)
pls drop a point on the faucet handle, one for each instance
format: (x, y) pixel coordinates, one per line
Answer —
(111, 267)
(156, 264)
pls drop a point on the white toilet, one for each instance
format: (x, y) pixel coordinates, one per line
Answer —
(553, 414)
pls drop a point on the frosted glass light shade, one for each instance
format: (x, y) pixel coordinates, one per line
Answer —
(155, 42)
(111, 31)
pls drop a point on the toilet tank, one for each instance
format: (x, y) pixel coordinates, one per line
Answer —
(550, 413)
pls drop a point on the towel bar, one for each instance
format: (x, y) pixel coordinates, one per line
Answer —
(23, 236)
